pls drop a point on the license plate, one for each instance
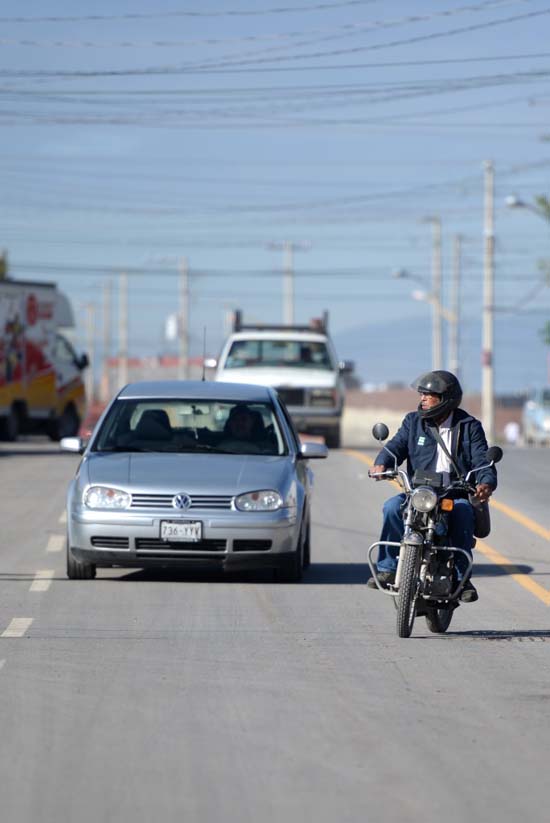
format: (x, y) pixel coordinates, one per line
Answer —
(188, 532)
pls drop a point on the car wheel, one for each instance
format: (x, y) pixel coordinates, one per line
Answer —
(78, 569)
(307, 546)
(292, 572)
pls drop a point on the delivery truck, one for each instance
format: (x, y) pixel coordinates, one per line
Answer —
(41, 386)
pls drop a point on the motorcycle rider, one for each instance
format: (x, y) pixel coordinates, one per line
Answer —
(463, 435)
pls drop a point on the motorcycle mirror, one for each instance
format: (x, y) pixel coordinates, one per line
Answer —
(380, 431)
(495, 454)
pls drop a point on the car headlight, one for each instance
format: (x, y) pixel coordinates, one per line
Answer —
(104, 497)
(423, 499)
(261, 501)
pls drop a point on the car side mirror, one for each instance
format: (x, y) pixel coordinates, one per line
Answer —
(73, 444)
(82, 362)
(346, 366)
(312, 451)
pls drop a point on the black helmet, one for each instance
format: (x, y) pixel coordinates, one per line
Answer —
(444, 384)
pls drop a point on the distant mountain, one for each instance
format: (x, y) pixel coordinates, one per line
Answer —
(397, 354)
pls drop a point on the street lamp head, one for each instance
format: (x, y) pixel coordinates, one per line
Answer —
(515, 202)
(400, 274)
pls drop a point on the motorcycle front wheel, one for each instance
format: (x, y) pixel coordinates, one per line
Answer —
(408, 581)
(439, 620)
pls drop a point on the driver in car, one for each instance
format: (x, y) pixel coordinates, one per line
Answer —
(438, 420)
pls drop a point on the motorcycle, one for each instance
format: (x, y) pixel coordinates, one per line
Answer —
(426, 581)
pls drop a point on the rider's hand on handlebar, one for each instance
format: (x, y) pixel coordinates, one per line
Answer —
(483, 492)
(377, 470)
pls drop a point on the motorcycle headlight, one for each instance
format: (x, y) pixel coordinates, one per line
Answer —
(104, 497)
(261, 501)
(423, 499)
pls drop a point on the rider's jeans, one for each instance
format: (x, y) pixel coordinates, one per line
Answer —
(461, 532)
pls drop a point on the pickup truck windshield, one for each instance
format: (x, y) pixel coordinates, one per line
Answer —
(299, 354)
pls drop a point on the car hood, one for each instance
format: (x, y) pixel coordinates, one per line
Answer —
(279, 378)
(192, 473)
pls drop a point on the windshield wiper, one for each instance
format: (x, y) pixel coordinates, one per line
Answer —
(124, 449)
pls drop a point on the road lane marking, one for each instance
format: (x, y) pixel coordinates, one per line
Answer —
(62, 518)
(495, 557)
(2, 664)
(17, 627)
(42, 580)
(523, 579)
(530, 524)
(56, 543)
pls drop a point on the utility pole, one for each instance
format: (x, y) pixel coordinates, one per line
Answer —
(183, 325)
(454, 327)
(123, 330)
(105, 391)
(288, 249)
(437, 326)
(487, 372)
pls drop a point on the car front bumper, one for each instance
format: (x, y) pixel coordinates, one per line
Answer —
(234, 540)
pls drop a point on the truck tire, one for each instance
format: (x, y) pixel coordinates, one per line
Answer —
(9, 426)
(67, 425)
(333, 437)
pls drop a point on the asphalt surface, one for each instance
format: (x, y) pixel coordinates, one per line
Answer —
(201, 698)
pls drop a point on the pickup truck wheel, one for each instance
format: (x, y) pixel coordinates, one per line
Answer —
(77, 569)
(333, 438)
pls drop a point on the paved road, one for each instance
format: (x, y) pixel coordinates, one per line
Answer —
(148, 697)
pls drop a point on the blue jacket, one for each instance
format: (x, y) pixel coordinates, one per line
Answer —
(415, 443)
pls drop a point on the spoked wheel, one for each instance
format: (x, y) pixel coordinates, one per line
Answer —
(406, 599)
(439, 620)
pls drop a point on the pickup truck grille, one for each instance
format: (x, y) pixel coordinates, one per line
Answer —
(291, 397)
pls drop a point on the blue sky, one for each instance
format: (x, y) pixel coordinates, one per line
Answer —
(137, 133)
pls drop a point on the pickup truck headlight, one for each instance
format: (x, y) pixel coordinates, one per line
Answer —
(323, 397)
(104, 497)
(261, 501)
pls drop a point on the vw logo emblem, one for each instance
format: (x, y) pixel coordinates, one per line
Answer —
(181, 501)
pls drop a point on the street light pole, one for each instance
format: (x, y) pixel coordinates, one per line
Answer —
(487, 369)
(288, 249)
(437, 331)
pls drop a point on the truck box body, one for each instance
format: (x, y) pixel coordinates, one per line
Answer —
(40, 375)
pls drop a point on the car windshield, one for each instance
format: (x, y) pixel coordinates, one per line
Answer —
(299, 354)
(207, 426)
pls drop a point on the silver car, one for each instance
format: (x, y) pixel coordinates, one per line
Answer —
(192, 472)
(536, 418)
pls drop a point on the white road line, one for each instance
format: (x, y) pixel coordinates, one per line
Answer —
(63, 518)
(42, 580)
(56, 543)
(17, 627)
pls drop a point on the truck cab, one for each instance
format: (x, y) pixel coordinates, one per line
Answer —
(300, 362)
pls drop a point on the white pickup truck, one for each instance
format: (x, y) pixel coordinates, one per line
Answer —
(299, 362)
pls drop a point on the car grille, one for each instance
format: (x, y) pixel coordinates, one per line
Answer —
(291, 397)
(110, 542)
(156, 545)
(252, 545)
(198, 501)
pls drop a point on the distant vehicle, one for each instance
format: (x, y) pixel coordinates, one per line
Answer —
(41, 387)
(535, 418)
(300, 362)
(180, 472)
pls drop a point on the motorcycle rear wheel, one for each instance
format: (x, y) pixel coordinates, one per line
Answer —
(439, 620)
(406, 599)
